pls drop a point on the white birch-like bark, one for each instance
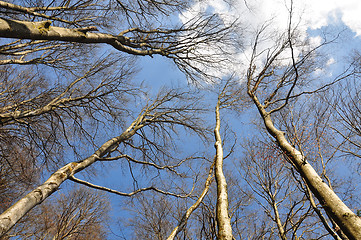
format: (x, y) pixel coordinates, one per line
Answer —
(13, 214)
(222, 216)
(191, 209)
(347, 220)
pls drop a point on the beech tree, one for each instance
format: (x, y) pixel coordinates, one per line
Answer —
(71, 109)
(228, 97)
(282, 195)
(79, 214)
(61, 25)
(156, 115)
(63, 94)
(283, 83)
(154, 217)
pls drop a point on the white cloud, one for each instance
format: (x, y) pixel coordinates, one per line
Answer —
(315, 41)
(307, 14)
(313, 13)
(330, 61)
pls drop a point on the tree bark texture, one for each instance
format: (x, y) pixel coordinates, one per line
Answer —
(13, 214)
(348, 221)
(44, 31)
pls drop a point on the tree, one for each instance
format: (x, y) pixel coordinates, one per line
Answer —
(284, 198)
(153, 219)
(62, 96)
(156, 115)
(227, 98)
(70, 108)
(283, 83)
(346, 112)
(79, 22)
(79, 214)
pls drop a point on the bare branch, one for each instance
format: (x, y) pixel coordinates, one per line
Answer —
(88, 184)
(183, 221)
(29, 11)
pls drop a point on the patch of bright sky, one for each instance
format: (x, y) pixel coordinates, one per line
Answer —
(314, 14)
(307, 14)
(160, 72)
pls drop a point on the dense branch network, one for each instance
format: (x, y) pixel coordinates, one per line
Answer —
(149, 115)
(187, 45)
(287, 78)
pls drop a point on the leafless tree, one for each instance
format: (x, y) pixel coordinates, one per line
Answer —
(67, 107)
(227, 98)
(155, 116)
(272, 86)
(58, 98)
(282, 196)
(42, 119)
(79, 214)
(133, 28)
(345, 102)
(221, 218)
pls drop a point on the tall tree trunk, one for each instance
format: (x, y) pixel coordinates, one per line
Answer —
(223, 219)
(281, 230)
(348, 221)
(13, 214)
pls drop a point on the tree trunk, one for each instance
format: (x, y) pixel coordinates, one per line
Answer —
(348, 221)
(223, 220)
(44, 31)
(13, 214)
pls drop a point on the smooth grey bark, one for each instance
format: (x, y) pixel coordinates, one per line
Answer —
(44, 31)
(348, 221)
(222, 216)
(322, 218)
(281, 230)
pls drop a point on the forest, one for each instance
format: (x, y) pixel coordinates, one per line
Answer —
(170, 119)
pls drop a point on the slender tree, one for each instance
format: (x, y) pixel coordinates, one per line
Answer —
(281, 83)
(79, 214)
(55, 104)
(156, 115)
(222, 214)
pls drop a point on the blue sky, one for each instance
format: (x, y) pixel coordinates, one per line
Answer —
(315, 18)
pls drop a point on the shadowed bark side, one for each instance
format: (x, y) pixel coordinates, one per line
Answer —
(348, 221)
(283, 80)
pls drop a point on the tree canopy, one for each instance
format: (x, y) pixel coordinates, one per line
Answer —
(254, 146)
